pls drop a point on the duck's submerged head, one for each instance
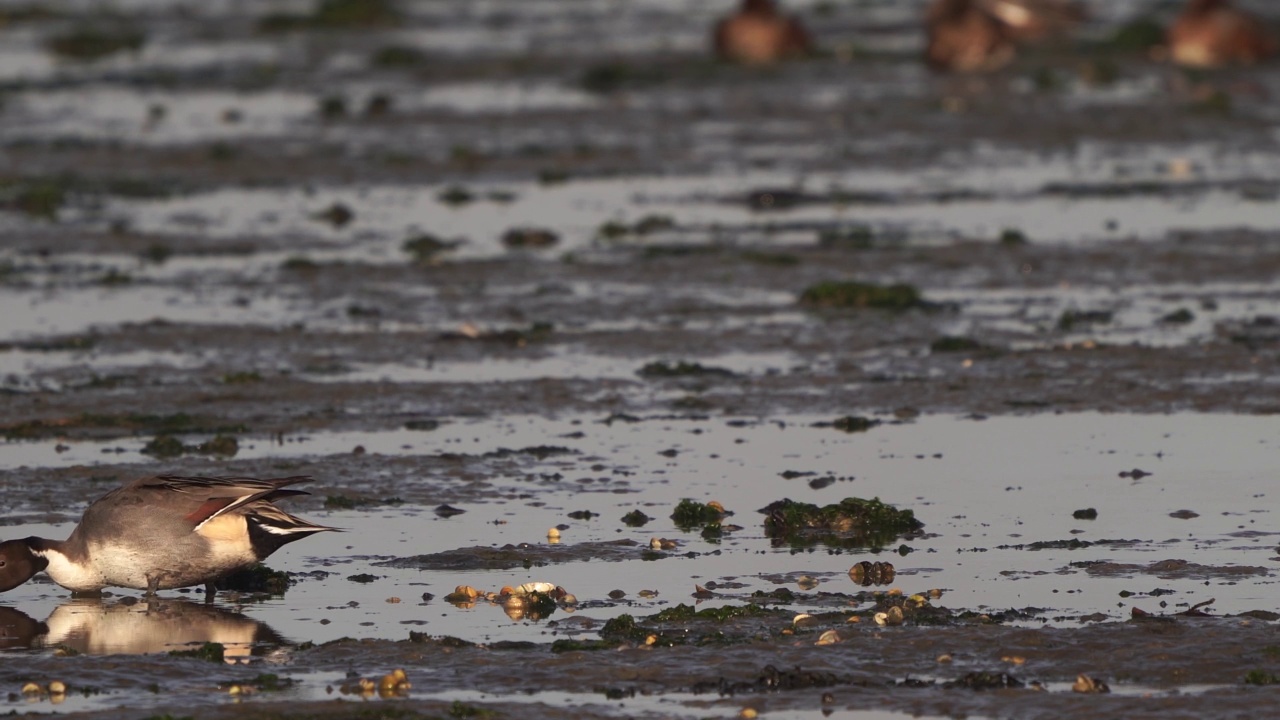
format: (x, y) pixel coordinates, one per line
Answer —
(19, 562)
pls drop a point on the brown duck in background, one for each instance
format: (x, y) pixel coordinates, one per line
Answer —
(1033, 21)
(964, 37)
(759, 35)
(1214, 33)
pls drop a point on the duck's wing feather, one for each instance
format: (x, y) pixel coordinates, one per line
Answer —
(201, 499)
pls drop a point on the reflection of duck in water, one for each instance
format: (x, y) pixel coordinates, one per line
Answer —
(1213, 33)
(155, 626)
(93, 627)
(163, 532)
(18, 629)
(758, 35)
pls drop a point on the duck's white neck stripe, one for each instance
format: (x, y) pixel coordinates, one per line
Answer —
(68, 574)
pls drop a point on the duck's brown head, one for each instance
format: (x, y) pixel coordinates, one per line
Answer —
(18, 563)
(948, 10)
(759, 7)
(1201, 7)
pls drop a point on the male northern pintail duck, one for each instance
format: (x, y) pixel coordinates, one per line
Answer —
(758, 35)
(163, 532)
(1213, 33)
(964, 37)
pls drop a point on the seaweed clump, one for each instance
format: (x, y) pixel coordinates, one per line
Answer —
(334, 15)
(853, 522)
(89, 44)
(257, 579)
(681, 369)
(858, 295)
(690, 514)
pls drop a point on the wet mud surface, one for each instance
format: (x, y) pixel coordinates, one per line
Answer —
(549, 265)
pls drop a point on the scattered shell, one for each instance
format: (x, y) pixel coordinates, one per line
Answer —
(934, 594)
(529, 588)
(872, 573)
(463, 593)
(804, 619)
(663, 544)
(32, 689)
(830, 637)
(1086, 684)
(807, 582)
(392, 682)
(748, 713)
(651, 640)
(553, 534)
(57, 687)
(648, 593)
(702, 593)
(715, 505)
(893, 616)
(854, 619)
(1013, 659)
(944, 658)
(393, 600)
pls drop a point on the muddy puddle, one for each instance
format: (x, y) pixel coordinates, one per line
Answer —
(492, 270)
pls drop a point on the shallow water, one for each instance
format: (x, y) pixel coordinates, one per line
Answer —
(986, 490)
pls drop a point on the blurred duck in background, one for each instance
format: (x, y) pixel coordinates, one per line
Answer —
(759, 35)
(1214, 33)
(1032, 21)
(983, 35)
(965, 37)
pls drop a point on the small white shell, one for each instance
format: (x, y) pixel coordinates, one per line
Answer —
(830, 637)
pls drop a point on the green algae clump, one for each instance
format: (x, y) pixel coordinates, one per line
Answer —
(853, 522)
(858, 295)
(690, 514)
(257, 579)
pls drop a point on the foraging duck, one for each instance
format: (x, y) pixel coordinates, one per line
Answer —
(1213, 33)
(163, 532)
(964, 37)
(759, 35)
